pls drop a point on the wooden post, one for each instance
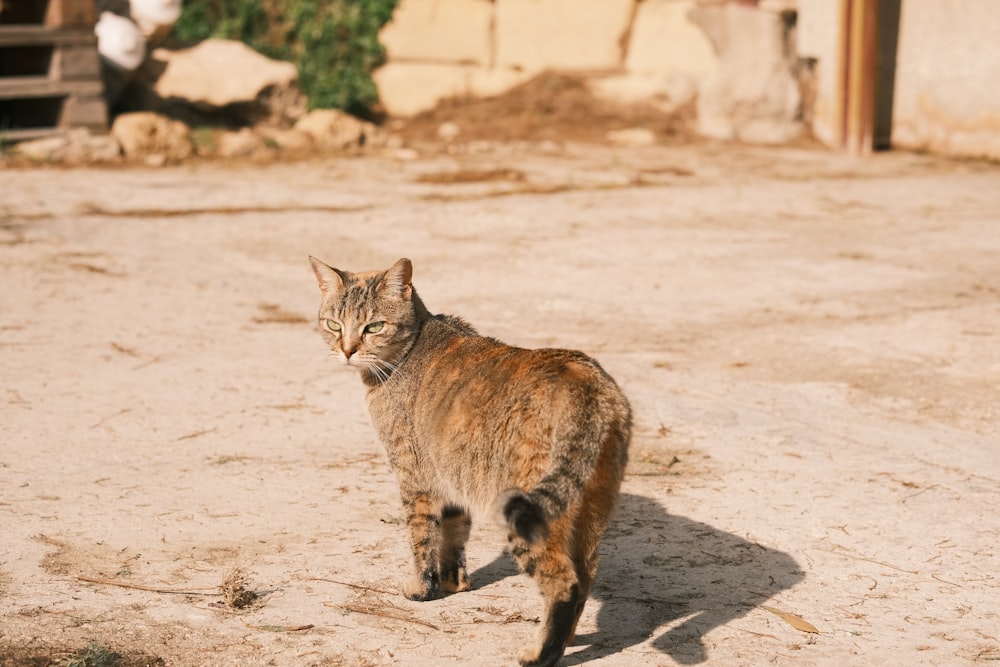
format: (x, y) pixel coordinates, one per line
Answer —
(856, 75)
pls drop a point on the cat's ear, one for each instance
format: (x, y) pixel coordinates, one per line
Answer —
(329, 278)
(396, 282)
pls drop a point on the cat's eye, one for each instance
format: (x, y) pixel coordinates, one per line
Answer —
(374, 327)
(332, 325)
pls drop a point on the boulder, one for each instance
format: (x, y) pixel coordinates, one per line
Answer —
(218, 80)
(145, 134)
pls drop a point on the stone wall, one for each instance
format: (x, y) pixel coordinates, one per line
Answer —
(443, 48)
(759, 76)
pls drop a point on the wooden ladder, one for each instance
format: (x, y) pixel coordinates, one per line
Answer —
(50, 72)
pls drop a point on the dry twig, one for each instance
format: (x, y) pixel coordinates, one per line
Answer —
(382, 614)
(140, 587)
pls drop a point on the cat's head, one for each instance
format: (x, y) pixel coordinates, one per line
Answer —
(368, 319)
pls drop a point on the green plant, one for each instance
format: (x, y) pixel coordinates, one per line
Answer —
(96, 655)
(333, 43)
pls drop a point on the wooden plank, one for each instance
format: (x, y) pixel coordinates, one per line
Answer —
(88, 112)
(37, 35)
(27, 133)
(75, 63)
(22, 87)
(71, 13)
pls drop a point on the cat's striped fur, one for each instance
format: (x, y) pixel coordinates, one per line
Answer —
(470, 424)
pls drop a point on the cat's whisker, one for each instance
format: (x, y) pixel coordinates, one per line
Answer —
(375, 366)
(386, 370)
(379, 374)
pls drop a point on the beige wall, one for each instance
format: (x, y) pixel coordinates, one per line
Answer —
(947, 94)
(946, 97)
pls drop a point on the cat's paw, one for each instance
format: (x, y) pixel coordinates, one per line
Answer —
(536, 658)
(455, 580)
(422, 588)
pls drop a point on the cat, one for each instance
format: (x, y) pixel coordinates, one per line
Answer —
(540, 437)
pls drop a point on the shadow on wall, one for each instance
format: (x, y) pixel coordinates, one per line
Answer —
(657, 569)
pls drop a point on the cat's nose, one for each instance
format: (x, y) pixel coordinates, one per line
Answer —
(349, 351)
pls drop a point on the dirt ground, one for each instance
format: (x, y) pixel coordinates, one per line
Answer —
(811, 343)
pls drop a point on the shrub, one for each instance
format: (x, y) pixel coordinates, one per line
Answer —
(333, 43)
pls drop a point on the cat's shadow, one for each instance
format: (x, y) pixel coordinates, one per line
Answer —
(667, 574)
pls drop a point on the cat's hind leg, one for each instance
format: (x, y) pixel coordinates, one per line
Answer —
(423, 517)
(592, 514)
(550, 565)
(456, 524)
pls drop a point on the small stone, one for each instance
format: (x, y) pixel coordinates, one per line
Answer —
(46, 149)
(404, 154)
(448, 131)
(632, 137)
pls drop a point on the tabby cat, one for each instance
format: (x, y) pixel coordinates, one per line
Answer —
(469, 423)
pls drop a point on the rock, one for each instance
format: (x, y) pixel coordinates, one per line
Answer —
(145, 134)
(754, 95)
(218, 79)
(77, 146)
(404, 154)
(46, 149)
(448, 131)
(632, 137)
(332, 128)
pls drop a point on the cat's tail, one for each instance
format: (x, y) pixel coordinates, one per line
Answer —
(598, 440)
(522, 515)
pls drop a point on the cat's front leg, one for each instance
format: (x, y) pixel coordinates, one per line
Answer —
(423, 517)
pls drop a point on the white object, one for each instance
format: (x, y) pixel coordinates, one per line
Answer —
(155, 12)
(119, 42)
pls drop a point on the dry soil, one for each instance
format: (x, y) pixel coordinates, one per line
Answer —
(811, 343)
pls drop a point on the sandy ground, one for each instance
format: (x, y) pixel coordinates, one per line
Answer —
(811, 344)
